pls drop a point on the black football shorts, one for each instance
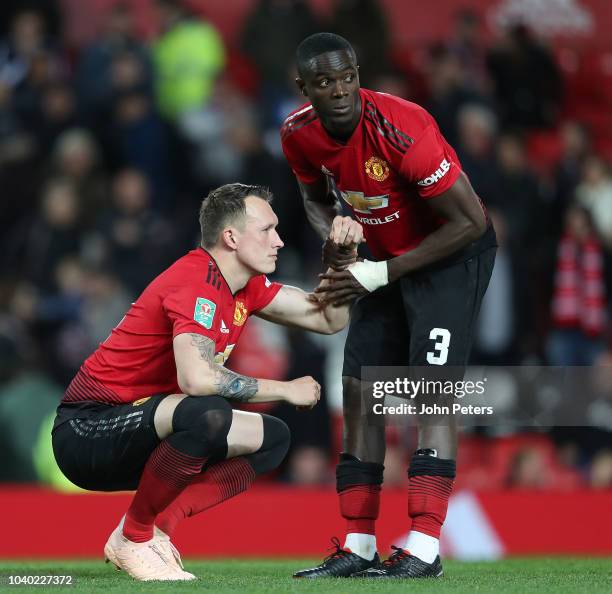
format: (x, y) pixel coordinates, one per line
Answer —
(103, 447)
(425, 318)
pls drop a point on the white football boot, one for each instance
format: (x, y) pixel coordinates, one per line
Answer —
(154, 559)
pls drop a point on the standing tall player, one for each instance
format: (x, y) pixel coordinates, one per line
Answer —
(150, 408)
(416, 304)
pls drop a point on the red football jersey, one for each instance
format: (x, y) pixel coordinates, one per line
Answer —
(137, 359)
(394, 161)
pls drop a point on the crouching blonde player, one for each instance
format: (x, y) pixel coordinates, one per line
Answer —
(151, 410)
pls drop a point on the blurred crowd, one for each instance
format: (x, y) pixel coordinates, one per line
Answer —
(107, 149)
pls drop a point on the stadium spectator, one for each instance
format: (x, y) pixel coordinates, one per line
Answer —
(18, 165)
(138, 241)
(103, 64)
(575, 148)
(468, 47)
(526, 80)
(579, 298)
(517, 195)
(58, 113)
(221, 135)
(137, 137)
(285, 21)
(477, 126)
(594, 193)
(27, 38)
(52, 235)
(188, 57)
(15, 142)
(364, 22)
(45, 70)
(448, 90)
(106, 301)
(76, 158)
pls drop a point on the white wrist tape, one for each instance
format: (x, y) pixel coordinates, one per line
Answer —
(371, 275)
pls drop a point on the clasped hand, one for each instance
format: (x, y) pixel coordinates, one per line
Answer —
(338, 286)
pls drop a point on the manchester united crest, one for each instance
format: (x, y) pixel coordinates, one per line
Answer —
(240, 314)
(377, 169)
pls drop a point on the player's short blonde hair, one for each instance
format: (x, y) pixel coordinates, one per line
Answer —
(224, 205)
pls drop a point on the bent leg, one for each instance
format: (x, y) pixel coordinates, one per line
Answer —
(258, 444)
(200, 427)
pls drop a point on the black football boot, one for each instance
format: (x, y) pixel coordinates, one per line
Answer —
(340, 563)
(401, 564)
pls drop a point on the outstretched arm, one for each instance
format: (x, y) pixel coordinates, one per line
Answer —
(294, 307)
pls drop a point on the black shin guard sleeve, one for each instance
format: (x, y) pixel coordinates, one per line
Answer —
(431, 466)
(351, 471)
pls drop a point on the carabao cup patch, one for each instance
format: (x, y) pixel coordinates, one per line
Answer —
(204, 313)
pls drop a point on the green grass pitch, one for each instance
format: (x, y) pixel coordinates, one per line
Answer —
(520, 576)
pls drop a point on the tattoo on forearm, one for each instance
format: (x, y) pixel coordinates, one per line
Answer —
(235, 386)
(229, 384)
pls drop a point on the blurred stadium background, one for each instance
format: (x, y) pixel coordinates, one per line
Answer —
(116, 118)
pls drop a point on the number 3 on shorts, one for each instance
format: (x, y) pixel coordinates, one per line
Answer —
(441, 338)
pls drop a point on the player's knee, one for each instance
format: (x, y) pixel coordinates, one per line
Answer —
(276, 435)
(215, 425)
(274, 447)
(207, 418)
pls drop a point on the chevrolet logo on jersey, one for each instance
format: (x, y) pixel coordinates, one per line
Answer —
(362, 203)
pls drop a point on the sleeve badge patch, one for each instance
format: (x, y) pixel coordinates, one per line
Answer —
(204, 313)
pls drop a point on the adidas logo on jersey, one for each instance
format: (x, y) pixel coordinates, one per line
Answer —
(437, 175)
(224, 328)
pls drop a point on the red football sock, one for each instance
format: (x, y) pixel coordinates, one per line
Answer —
(359, 505)
(428, 502)
(166, 473)
(219, 482)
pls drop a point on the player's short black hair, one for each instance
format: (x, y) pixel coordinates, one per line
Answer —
(224, 205)
(317, 44)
